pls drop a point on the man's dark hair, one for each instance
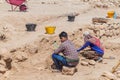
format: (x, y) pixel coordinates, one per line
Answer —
(63, 34)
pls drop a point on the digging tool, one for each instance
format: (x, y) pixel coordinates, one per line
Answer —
(110, 57)
(115, 67)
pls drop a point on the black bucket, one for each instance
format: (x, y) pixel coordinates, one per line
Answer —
(71, 18)
(31, 27)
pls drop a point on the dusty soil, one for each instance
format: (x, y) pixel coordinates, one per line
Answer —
(30, 51)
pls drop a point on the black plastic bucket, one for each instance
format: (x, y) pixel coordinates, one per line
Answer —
(71, 18)
(31, 27)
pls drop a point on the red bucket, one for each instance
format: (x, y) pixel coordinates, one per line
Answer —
(16, 2)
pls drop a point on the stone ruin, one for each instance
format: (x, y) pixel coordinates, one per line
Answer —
(103, 3)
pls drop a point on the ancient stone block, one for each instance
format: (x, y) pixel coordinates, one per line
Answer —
(84, 63)
(68, 70)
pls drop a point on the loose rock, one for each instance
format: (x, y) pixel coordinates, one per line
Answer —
(68, 70)
(33, 50)
(21, 56)
(2, 69)
(84, 63)
(92, 62)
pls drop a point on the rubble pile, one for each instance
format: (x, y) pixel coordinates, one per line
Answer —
(103, 3)
(105, 30)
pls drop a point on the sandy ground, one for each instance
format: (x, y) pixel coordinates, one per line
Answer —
(52, 13)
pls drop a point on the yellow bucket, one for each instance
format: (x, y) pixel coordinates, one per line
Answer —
(110, 14)
(50, 29)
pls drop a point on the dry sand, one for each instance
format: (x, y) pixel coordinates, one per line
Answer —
(21, 45)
